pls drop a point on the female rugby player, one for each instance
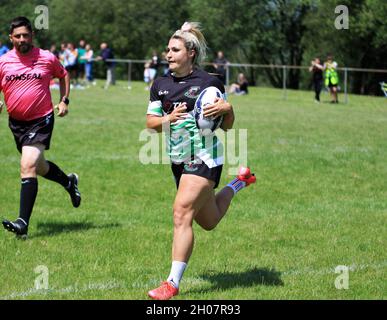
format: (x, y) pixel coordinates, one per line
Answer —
(196, 166)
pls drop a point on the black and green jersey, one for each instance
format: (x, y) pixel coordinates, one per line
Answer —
(185, 142)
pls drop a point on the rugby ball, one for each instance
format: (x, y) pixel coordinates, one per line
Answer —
(207, 97)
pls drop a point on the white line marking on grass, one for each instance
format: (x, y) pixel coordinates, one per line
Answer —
(188, 281)
(192, 281)
(70, 289)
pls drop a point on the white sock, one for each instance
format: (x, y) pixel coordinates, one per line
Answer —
(236, 185)
(177, 271)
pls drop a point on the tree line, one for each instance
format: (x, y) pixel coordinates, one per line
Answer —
(286, 32)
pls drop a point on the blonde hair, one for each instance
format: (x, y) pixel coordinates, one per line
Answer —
(193, 39)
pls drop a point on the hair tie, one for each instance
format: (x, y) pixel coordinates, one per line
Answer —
(186, 27)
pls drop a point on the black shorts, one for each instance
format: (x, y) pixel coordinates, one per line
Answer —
(73, 67)
(197, 169)
(330, 85)
(27, 133)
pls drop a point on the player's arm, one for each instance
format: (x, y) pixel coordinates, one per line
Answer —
(221, 107)
(156, 122)
(156, 118)
(228, 118)
(64, 88)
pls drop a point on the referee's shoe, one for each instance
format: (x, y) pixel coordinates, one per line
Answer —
(19, 227)
(73, 190)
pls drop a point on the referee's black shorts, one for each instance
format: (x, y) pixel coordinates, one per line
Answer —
(28, 133)
(197, 169)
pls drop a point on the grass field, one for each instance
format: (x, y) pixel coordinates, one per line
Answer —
(320, 202)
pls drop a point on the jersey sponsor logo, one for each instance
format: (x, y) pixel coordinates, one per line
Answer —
(23, 76)
(192, 92)
(169, 106)
(176, 104)
(163, 92)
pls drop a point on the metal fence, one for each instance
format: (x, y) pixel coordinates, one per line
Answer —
(233, 68)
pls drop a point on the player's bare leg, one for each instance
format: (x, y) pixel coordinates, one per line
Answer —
(214, 210)
(335, 98)
(193, 193)
(195, 199)
(31, 158)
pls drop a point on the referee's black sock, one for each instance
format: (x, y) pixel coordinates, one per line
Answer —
(56, 174)
(28, 192)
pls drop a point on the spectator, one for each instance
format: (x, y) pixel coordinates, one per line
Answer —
(383, 86)
(88, 57)
(241, 87)
(70, 62)
(3, 49)
(54, 84)
(317, 76)
(164, 63)
(331, 77)
(62, 52)
(105, 55)
(54, 51)
(155, 61)
(153, 66)
(220, 64)
(147, 75)
(81, 61)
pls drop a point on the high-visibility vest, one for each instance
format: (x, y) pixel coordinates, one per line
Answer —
(331, 75)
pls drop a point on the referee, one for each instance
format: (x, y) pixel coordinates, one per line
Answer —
(25, 75)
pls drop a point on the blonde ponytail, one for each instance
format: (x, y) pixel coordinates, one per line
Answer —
(193, 39)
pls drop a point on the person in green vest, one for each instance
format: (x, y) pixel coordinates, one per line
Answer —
(331, 78)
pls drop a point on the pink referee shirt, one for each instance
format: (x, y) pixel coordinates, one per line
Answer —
(25, 82)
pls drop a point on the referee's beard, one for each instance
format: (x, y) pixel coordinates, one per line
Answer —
(24, 48)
